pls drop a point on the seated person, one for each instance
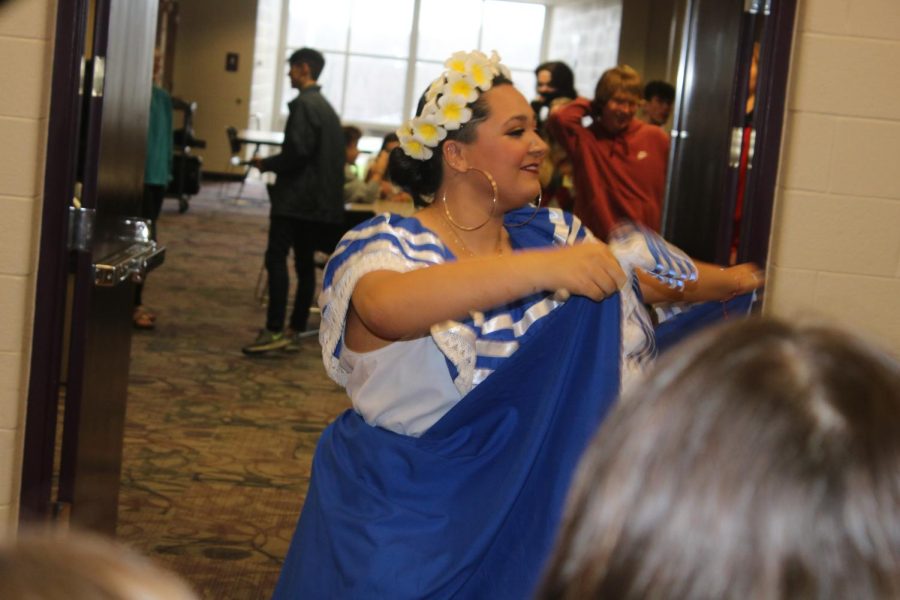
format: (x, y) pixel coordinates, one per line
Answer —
(378, 166)
(355, 189)
(759, 460)
(377, 184)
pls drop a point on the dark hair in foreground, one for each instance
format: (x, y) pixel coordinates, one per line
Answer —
(423, 177)
(311, 58)
(760, 460)
(659, 89)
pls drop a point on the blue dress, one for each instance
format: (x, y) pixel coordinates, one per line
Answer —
(470, 508)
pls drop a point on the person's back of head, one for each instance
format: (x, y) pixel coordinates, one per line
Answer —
(311, 58)
(81, 567)
(761, 460)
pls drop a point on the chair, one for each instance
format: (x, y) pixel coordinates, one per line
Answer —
(235, 145)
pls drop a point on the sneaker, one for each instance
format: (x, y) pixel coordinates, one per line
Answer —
(294, 339)
(266, 341)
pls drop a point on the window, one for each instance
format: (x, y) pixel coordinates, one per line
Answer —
(377, 63)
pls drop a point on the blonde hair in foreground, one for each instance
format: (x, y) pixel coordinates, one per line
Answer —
(759, 460)
(43, 566)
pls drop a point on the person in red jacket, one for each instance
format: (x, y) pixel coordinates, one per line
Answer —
(619, 163)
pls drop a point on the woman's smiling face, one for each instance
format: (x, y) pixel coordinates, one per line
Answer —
(508, 147)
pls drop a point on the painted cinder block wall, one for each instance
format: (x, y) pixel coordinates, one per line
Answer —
(26, 45)
(835, 247)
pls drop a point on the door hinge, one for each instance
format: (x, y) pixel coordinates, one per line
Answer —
(81, 228)
(99, 76)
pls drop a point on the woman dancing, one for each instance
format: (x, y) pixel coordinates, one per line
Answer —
(481, 341)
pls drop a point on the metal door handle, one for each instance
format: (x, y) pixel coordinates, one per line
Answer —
(134, 262)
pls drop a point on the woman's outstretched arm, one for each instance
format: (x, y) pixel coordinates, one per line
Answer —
(713, 283)
(388, 306)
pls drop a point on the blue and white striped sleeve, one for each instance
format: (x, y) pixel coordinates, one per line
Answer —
(384, 243)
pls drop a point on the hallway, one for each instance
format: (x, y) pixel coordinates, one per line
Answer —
(217, 446)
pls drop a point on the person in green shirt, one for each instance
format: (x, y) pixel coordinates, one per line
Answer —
(157, 175)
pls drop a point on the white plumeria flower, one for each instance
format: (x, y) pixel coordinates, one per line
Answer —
(447, 101)
(452, 111)
(404, 131)
(434, 89)
(430, 109)
(480, 71)
(427, 130)
(460, 84)
(457, 62)
(498, 67)
(414, 148)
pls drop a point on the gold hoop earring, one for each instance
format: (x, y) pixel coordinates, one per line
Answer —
(537, 208)
(493, 203)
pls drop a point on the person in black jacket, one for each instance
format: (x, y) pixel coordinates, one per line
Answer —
(307, 200)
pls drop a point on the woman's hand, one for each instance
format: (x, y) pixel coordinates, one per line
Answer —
(745, 278)
(587, 269)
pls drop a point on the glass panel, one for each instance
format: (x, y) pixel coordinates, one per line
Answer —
(425, 73)
(514, 30)
(525, 82)
(445, 27)
(375, 89)
(323, 33)
(382, 27)
(331, 80)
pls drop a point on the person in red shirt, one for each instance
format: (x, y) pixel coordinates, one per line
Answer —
(619, 163)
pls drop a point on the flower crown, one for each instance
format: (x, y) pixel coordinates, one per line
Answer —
(447, 101)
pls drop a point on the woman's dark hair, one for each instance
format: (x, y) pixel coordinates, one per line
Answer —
(760, 460)
(561, 77)
(423, 177)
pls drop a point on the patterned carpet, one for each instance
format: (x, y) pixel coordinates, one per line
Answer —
(217, 445)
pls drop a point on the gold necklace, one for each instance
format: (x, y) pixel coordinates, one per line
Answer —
(498, 249)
